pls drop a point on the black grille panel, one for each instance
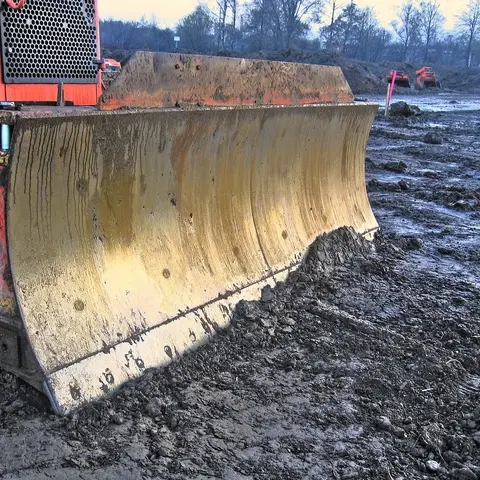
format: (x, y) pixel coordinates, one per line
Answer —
(50, 41)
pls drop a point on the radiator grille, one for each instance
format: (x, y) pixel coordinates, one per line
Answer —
(50, 41)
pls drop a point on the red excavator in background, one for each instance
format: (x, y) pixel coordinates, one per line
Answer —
(401, 78)
(111, 65)
(426, 78)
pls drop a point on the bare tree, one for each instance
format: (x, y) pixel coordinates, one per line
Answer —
(234, 9)
(367, 29)
(222, 20)
(233, 32)
(226, 28)
(431, 20)
(350, 18)
(196, 29)
(253, 25)
(332, 11)
(262, 23)
(407, 26)
(470, 24)
(292, 17)
(260, 29)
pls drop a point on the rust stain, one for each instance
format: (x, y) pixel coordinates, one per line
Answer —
(114, 199)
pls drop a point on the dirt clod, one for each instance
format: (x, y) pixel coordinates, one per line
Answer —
(432, 138)
(403, 109)
(432, 466)
(463, 474)
(398, 167)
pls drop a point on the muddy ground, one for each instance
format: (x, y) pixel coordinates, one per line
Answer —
(364, 364)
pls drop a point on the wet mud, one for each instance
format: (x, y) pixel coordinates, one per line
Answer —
(363, 364)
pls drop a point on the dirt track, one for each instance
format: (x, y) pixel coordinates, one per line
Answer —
(365, 364)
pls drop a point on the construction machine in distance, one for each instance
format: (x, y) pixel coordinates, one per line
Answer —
(401, 78)
(111, 65)
(426, 78)
(134, 217)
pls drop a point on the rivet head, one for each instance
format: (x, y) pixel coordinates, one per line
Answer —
(79, 305)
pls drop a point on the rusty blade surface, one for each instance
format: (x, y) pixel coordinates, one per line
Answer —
(132, 235)
(152, 80)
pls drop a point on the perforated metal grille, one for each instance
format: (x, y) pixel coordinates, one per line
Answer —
(50, 41)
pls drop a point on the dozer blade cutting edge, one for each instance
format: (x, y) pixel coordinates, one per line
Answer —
(132, 234)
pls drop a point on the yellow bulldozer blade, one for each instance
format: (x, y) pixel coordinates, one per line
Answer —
(133, 234)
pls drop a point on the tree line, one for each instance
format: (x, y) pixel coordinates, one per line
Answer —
(416, 35)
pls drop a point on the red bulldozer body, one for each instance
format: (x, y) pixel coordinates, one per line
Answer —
(425, 78)
(401, 78)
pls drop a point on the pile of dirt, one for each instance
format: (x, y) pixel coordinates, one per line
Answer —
(358, 366)
(360, 75)
(403, 109)
(458, 197)
(108, 78)
(363, 77)
(120, 55)
(369, 77)
(460, 79)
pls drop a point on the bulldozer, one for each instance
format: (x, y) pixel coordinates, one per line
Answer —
(426, 78)
(111, 65)
(401, 78)
(135, 215)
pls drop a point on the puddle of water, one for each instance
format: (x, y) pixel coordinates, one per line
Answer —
(462, 221)
(395, 177)
(445, 266)
(434, 103)
(456, 180)
(404, 226)
(444, 165)
(470, 227)
(385, 147)
(424, 205)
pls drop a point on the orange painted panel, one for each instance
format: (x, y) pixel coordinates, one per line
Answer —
(78, 94)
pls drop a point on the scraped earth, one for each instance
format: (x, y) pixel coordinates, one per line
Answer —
(363, 364)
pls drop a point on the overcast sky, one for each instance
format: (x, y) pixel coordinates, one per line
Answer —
(169, 12)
